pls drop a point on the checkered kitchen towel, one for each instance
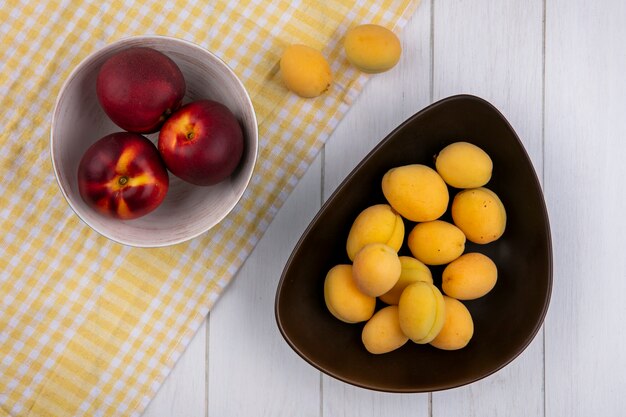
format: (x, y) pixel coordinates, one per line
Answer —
(91, 327)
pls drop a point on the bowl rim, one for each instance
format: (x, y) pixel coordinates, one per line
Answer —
(439, 387)
(254, 139)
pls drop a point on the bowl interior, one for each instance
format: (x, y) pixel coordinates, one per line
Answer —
(187, 210)
(505, 320)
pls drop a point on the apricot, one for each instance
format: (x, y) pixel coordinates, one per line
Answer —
(412, 271)
(436, 242)
(382, 333)
(375, 224)
(305, 71)
(480, 214)
(470, 276)
(376, 269)
(416, 191)
(458, 327)
(343, 298)
(464, 165)
(372, 48)
(421, 311)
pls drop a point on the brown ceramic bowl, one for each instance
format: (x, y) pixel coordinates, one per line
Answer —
(505, 320)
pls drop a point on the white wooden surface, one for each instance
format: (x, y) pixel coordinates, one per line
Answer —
(556, 69)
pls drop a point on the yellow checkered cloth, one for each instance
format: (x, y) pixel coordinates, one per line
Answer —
(90, 327)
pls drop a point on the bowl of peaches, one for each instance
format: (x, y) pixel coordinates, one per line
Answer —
(153, 140)
(430, 266)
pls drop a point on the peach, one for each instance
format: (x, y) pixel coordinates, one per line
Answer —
(343, 298)
(436, 242)
(202, 143)
(412, 271)
(382, 333)
(139, 88)
(376, 224)
(458, 327)
(470, 276)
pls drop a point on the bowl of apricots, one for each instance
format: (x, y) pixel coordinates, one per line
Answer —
(430, 266)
